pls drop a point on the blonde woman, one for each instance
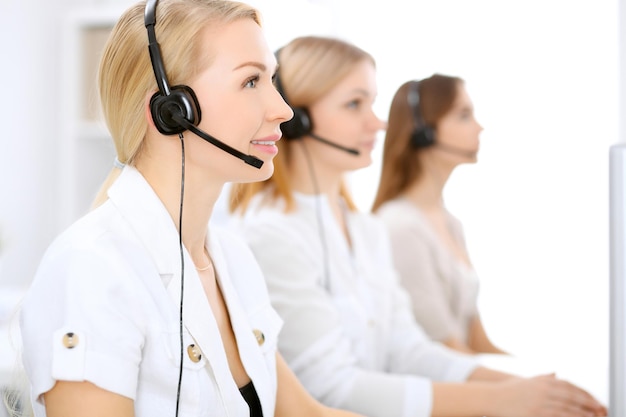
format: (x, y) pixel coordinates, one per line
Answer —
(138, 309)
(349, 333)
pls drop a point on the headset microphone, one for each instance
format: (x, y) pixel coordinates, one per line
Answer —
(248, 159)
(351, 151)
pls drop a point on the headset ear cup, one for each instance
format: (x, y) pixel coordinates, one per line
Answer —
(299, 125)
(181, 100)
(423, 137)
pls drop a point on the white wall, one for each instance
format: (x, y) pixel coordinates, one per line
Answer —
(544, 79)
(29, 45)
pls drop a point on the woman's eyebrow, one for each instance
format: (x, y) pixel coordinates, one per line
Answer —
(258, 65)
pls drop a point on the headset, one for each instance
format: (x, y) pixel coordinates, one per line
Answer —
(301, 124)
(176, 109)
(423, 135)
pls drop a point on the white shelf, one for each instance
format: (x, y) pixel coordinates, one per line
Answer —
(88, 151)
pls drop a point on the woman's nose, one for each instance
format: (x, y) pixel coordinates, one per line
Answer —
(281, 110)
(376, 123)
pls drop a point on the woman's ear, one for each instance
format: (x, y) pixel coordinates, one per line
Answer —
(148, 111)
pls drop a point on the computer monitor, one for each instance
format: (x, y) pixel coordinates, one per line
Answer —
(617, 236)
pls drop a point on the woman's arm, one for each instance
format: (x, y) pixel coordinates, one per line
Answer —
(456, 344)
(541, 396)
(478, 340)
(293, 400)
(80, 399)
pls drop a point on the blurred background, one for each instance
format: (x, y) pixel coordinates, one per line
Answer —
(545, 81)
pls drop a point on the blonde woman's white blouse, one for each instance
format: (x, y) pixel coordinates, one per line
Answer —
(104, 308)
(349, 333)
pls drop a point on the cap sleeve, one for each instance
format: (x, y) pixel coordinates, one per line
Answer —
(82, 320)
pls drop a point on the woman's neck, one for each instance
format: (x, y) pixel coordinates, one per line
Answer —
(200, 196)
(311, 176)
(426, 192)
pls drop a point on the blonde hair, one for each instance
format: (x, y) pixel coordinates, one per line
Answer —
(310, 67)
(400, 167)
(126, 77)
(16, 396)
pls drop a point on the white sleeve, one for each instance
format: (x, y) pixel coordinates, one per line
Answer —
(80, 321)
(312, 340)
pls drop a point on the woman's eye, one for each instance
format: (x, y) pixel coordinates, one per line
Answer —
(251, 82)
(354, 104)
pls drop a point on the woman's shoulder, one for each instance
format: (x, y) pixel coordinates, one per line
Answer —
(395, 207)
(83, 236)
(271, 219)
(399, 213)
(369, 225)
(92, 252)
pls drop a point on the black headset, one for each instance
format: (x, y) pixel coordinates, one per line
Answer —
(168, 101)
(300, 124)
(422, 136)
(176, 109)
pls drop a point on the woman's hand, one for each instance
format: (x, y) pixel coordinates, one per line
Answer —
(545, 396)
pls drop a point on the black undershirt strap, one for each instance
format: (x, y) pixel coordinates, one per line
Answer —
(248, 392)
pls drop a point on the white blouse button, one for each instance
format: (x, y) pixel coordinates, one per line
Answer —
(194, 352)
(260, 337)
(70, 340)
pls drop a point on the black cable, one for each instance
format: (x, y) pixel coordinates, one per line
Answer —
(182, 268)
(318, 212)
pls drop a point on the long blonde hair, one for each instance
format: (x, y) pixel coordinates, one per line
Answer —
(310, 67)
(400, 167)
(126, 77)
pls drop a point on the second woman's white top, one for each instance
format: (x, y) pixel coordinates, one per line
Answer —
(104, 308)
(349, 332)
